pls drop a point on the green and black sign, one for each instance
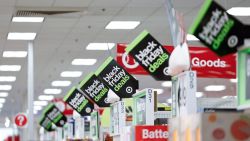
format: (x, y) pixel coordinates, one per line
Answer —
(46, 123)
(79, 102)
(95, 89)
(218, 30)
(55, 115)
(117, 78)
(150, 54)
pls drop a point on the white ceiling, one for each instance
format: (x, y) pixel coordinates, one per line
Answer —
(62, 38)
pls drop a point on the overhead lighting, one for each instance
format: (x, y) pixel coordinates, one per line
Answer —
(71, 74)
(15, 54)
(122, 25)
(61, 83)
(7, 78)
(21, 36)
(239, 11)
(1, 105)
(100, 46)
(5, 87)
(52, 91)
(40, 103)
(215, 88)
(233, 80)
(159, 91)
(3, 94)
(169, 100)
(191, 38)
(199, 94)
(10, 67)
(7, 122)
(38, 107)
(86, 62)
(166, 84)
(2, 100)
(46, 97)
(28, 19)
(35, 112)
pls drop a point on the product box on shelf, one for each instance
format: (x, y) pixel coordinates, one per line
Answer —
(211, 127)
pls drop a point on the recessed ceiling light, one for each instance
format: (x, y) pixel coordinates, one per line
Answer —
(14, 54)
(21, 36)
(46, 97)
(122, 25)
(10, 67)
(215, 88)
(199, 94)
(100, 46)
(239, 11)
(61, 83)
(86, 62)
(191, 38)
(169, 100)
(7, 78)
(5, 87)
(233, 80)
(40, 103)
(52, 91)
(28, 19)
(166, 84)
(2, 100)
(3, 94)
(38, 107)
(71, 74)
(159, 91)
(1, 105)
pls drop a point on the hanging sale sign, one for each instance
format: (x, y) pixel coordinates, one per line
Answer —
(117, 78)
(218, 30)
(95, 89)
(203, 60)
(46, 123)
(55, 115)
(79, 102)
(150, 54)
(151, 133)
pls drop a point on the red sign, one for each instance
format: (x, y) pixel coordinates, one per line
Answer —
(21, 120)
(151, 133)
(203, 60)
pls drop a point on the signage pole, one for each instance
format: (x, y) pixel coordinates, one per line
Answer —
(30, 92)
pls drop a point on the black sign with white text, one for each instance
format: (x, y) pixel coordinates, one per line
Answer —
(55, 115)
(46, 123)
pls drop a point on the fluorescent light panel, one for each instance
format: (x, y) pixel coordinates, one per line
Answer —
(28, 19)
(52, 91)
(166, 84)
(61, 83)
(71, 74)
(122, 25)
(40, 103)
(2, 100)
(7, 78)
(5, 87)
(14, 54)
(215, 88)
(191, 38)
(38, 107)
(199, 94)
(3, 94)
(21, 36)
(86, 62)
(1, 105)
(10, 67)
(46, 97)
(100, 46)
(233, 80)
(239, 11)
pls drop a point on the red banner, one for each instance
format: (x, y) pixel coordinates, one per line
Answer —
(203, 60)
(151, 133)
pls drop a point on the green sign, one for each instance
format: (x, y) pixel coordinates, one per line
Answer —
(46, 123)
(54, 114)
(218, 30)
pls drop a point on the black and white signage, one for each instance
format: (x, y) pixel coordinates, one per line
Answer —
(55, 115)
(95, 89)
(46, 123)
(79, 102)
(117, 78)
(150, 54)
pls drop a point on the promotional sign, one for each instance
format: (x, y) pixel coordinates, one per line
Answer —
(62, 106)
(204, 61)
(151, 133)
(46, 123)
(79, 102)
(95, 89)
(21, 120)
(150, 54)
(243, 79)
(218, 30)
(54, 114)
(117, 78)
